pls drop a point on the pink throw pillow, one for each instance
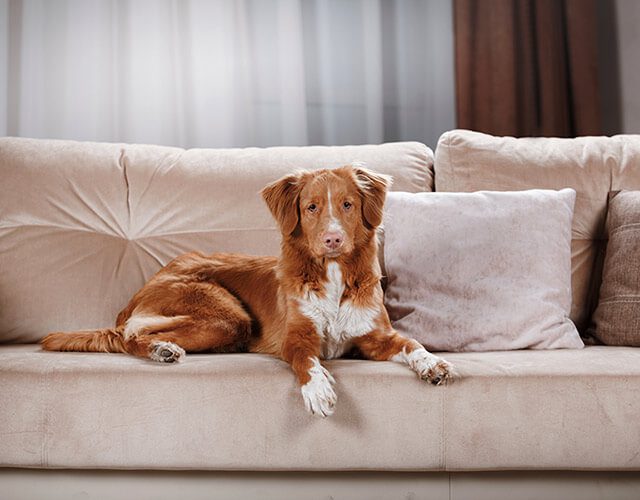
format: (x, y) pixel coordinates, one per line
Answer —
(481, 271)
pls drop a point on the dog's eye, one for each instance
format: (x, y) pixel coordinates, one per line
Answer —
(347, 205)
(312, 208)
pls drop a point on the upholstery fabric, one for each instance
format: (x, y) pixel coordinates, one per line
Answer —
(561, 409)
(481, 271)
(593, 166)
(617, 317)
(84, 225)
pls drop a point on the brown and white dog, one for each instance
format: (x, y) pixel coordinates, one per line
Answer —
(320, 299)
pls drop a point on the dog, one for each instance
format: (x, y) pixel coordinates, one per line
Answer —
(320, 299)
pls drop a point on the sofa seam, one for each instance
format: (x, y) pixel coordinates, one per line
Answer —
(443, 436)
(46, 415)
(622, 228)
(624, 299)
(451, 165)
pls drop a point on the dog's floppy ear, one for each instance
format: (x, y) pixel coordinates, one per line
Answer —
(373, 190)
(282, 197)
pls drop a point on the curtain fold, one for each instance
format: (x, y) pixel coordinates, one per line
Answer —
(227, 73)
(527, 67)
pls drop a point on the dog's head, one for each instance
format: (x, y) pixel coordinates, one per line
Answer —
(331, 212)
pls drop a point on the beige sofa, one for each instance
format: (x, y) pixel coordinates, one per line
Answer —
(83, 225)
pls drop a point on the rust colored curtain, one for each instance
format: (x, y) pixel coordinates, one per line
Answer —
(527, 67)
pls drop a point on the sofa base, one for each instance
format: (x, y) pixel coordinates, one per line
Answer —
(17, 484)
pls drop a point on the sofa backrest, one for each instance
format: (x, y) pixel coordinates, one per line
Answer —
(84, 225)
(593, 166)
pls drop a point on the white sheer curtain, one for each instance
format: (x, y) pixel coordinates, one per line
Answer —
(227, 73)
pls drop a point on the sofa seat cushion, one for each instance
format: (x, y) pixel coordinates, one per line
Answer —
(566, 409)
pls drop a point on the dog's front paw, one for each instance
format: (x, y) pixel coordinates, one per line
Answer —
(429, 367)
(437, 373)
(166, 352)
(318, 394)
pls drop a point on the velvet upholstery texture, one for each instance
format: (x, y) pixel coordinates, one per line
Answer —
(561, 409)
(481, 271)
(593, 166)
(617, 318)
(84, 225)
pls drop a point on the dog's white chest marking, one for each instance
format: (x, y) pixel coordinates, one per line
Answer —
(336, 321)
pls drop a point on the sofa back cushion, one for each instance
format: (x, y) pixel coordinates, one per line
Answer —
(593, 166)
(84, 225)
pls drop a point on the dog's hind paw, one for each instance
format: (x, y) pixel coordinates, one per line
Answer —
(166, 352)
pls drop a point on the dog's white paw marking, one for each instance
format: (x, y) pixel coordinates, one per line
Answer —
(166, 352)
(318, 394)
(428, 367)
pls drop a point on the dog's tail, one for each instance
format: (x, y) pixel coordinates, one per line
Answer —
(104, 340)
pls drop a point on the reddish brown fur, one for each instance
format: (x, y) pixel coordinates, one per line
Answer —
(298, 346)
(229, 302)
(380, 345)
(106, 340)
